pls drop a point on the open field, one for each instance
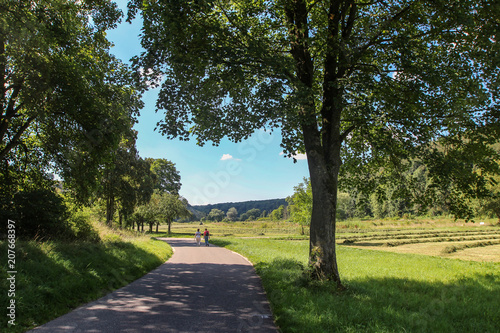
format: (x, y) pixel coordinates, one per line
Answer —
(400, 275)
(443, 238)
(479, 243)
(419, 288)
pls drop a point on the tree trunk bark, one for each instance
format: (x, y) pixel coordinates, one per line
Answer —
(110, 210)
(169, 223)
(322, 145)
(322, 254)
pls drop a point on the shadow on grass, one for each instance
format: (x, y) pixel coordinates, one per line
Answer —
(380, 304)
(53, 278)
(220, 242)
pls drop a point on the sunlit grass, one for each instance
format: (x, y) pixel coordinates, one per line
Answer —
(386, 292)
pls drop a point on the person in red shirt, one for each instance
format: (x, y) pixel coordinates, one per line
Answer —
(206, 234)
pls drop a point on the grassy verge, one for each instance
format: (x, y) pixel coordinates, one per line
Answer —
(54, 277)
(387, 292)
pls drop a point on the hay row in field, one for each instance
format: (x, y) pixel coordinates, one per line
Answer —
(350, 240)
(455, 248)
(440, 239)
(416, 232)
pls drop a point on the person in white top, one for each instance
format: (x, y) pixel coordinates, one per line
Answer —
(197, 237)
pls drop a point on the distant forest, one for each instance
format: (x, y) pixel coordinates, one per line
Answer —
(241, 207)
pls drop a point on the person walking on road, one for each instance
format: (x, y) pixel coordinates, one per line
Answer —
(206, 234)
(197, 237)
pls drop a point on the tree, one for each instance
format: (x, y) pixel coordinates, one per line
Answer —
(253, 214)
(232, 214)
(300, 204)
(278, 214)
(167, 178)
(62, 94)
(491, 204)
(216, 215)
(170, 207)
(126, 180)
(362, 85)
(146, 213)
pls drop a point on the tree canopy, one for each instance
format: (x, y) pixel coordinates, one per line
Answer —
(63, 96)
(362, 85)
(167, 178)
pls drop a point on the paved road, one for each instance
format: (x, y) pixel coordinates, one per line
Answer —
(200, 289)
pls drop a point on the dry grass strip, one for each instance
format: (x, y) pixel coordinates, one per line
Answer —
(455, 248)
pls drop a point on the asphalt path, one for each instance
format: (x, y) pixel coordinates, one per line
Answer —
(200, 289)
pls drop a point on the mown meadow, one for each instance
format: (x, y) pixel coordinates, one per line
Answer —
(388, 288)
(400, 275)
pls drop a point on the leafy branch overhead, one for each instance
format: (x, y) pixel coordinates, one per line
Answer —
(61, 91)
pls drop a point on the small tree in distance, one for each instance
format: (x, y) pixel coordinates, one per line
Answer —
(216, 215)
(232, 214)
(300, 204)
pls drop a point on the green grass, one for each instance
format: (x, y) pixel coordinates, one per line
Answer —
(54, 277)
(386, 292)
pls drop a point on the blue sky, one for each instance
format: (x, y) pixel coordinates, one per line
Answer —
(251, 170)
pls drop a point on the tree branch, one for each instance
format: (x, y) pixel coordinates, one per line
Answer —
(15, 140)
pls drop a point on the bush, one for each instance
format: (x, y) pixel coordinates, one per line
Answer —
(40, 213)
(82, 229)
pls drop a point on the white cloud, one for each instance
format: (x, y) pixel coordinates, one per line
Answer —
(226, 157)
(297, 156)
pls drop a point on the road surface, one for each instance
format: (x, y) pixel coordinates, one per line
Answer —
(200, 289)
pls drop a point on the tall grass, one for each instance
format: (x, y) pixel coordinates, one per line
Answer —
(386, 292)
(55, 277)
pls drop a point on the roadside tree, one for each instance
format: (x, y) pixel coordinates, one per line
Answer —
(126, 181)
(63, 96)
(362, 85)
(167, 178)
(170, 207)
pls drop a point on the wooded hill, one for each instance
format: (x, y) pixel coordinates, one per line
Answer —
(241, 207)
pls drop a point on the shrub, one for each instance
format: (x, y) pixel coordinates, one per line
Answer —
(82, 229)
(40, 213)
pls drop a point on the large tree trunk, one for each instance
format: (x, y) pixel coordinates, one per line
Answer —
(322, 255)
(323, 144)
(110, 210)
